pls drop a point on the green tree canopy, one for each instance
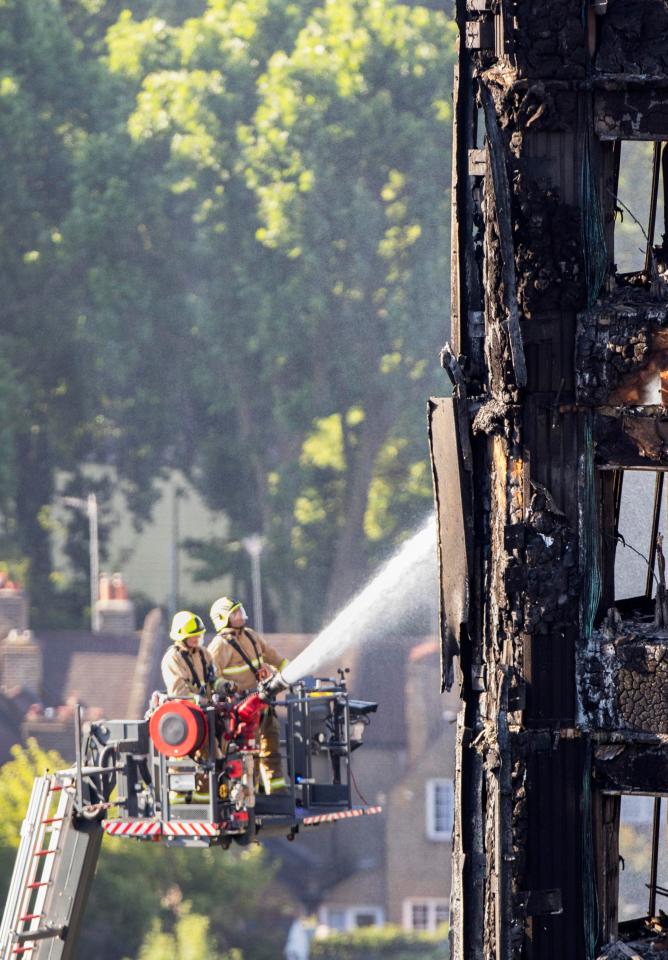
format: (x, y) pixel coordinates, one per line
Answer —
(311, 144)
(190, 939)
(228, 221)
(389, 943)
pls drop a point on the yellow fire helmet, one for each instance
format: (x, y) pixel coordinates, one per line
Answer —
(222, 609)
(185, 625)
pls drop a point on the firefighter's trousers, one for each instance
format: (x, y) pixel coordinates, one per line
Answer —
(270, 758)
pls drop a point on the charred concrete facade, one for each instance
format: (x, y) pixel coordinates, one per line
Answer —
(559, 369)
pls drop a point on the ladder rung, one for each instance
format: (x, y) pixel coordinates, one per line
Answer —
(41, 933)
(36, 884)
(55, 789)
(22, 949)
(31, 916)
(45, 853)
(53, 820)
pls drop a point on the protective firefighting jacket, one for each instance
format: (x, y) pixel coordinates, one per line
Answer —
(239, 654)
(187, 672)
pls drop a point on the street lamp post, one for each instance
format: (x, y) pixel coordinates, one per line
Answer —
(253, 546)
(174, 558)
(89, 507)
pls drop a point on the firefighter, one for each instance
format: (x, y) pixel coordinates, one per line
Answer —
(189, 674)
(187, 668)
(241, 655)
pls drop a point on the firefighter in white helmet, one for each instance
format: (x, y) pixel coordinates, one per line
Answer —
(187, 668)
(241, 655)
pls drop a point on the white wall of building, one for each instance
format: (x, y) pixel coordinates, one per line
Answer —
(144, 557)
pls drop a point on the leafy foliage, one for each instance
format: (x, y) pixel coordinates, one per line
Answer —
(16, 780)
(230, 888)
(179, 889)
(189, 940)
(388, 943)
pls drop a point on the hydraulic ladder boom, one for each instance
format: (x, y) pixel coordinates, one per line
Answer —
(150, 788)
(53, 872)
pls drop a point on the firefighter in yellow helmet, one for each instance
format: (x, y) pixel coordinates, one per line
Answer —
(187, 668)
(240, 654)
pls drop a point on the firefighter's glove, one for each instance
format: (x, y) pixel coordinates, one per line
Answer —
(224, 688)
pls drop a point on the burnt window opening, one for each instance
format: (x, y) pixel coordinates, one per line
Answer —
(633, 514)
(643, 863)
(597, 10)
(634, 526)
(623, 661)
(639, 521)
(622, 341)
(640, 171)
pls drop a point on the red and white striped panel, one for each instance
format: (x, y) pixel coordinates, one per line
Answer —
(132, 828)
(157, 828)
(190, 828)
(340, 815)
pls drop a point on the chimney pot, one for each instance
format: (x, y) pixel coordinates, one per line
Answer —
(105, 587)
(115, 611)
(118, 589)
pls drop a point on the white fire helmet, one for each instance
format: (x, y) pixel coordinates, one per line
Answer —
(222, 610)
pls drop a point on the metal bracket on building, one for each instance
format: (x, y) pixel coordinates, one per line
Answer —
(480, 35)
(477, 162)
(452, 367)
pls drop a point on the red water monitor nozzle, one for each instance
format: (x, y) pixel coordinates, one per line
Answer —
(178, 728)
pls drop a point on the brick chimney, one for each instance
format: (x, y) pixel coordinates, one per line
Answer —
(115, 611)
(13, 607)
(21, 665)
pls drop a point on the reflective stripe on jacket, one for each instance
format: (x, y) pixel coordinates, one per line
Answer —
(176, 671)
(231, 665)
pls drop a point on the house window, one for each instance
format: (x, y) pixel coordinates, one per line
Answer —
(367, 917)
(335, 919)
(344, 919)
(440, 808)
(426, 914)
(419, 916)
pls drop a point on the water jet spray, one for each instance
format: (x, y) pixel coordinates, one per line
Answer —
(397, 584)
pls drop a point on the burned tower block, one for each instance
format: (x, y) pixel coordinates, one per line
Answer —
(559, 366)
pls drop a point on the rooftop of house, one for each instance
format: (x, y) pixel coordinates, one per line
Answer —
(43, 675)
(94, 669)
